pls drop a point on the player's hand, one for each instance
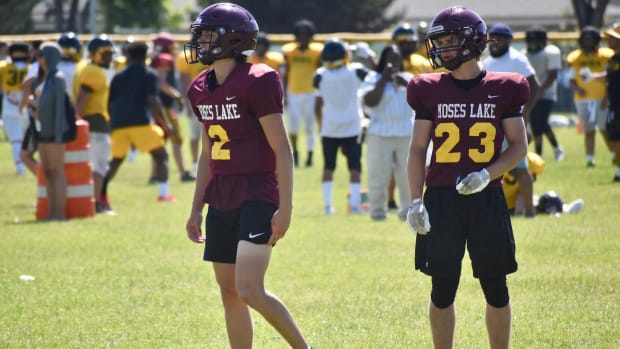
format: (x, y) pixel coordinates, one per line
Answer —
(474, 182)
(181, 104)
(192, 227)
(388, 72)
(417, 217)
(280, 223)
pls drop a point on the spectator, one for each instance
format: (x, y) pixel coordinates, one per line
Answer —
(589, 93)
(187, 73)
(613, 95)
(339, 113)
(133, 93)
(384, 93)
(505, 58)
(164, 61)
(547, 61)
(91, 88)
(263, 54)
(12, 72)
(301, 57)
(51, 111)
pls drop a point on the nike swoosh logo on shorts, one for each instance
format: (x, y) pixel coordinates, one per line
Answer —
(255, 235)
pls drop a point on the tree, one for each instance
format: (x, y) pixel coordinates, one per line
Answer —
(590, 12)
(279, 16)
(132, 14)
(15, 16)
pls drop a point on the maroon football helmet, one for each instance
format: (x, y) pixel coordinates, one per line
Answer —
(236, 31)
(470, 30)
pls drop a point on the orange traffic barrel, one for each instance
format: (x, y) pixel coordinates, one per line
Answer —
(78, 171)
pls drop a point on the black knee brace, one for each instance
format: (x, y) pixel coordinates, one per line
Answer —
(444, 291)
(495, 291)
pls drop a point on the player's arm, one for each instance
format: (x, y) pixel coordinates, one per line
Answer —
(82, 97)
(275, 132)
(164, 86)
(26, 87)
(185, 80)
(318, 110)
(193, 227)
(285, 69)
(416, 161)
(552, 75)
(514, 132)
(157, 110)
(373, 96)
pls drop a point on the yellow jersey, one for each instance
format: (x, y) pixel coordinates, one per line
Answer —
(11, 76)
(596, 62)
(417, 64)
(94, 77)
(536, 165)
(272, 59)
(301, 66)
(191, 69)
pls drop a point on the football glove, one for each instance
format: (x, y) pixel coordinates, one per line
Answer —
(417, 217)
(474, 182)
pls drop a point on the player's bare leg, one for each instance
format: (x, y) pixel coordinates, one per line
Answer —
(526, 190)
(236, 311)
(252, 262)
(589, 142)
(442, 325)
(498, 326)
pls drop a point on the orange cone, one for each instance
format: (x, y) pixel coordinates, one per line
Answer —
(78, 171)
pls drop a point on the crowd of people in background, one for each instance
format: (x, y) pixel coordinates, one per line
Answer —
(305, 67)
(442, 124)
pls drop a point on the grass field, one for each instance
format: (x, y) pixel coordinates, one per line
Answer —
(135, 280)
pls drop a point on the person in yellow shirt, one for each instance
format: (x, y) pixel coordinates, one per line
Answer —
(12, 73)
(91, 88)
(263, 54)
(589, 93)
(302, 57)
(406, 39)
(187, 73)
(549, 202)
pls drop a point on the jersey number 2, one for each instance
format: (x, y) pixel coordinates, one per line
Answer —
(217, 151)
(483, 130)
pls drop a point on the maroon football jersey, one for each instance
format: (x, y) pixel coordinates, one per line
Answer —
(467, 132)
(242, 162)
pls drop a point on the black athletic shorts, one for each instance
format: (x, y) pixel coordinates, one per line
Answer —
(224, 229)
(479, 221)
(351, 149)
(613, 125)
(539, 116)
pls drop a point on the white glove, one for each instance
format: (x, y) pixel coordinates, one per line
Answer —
(474, 182)
(417, 217)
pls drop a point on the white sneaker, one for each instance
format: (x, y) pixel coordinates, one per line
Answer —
(133, 154)
(21, 169)
(328, 211)
(558, 153)
(573, 207)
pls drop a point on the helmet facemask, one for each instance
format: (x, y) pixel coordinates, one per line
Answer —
(469, 44)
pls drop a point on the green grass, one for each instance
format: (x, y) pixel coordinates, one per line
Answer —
(136, 281)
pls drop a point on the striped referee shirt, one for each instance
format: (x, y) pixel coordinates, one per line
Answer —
(392, 117)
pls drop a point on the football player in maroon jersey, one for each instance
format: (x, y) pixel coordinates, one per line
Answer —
(245, 171)
(466, 112)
